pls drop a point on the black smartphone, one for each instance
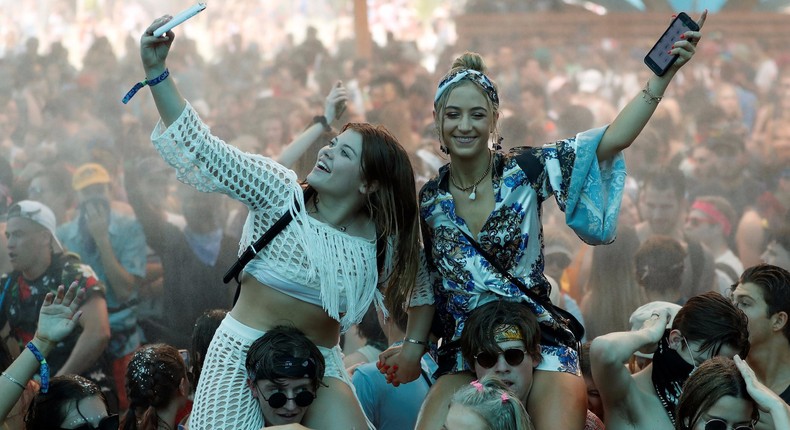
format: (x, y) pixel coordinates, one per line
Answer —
(659, 59)
(340, 107)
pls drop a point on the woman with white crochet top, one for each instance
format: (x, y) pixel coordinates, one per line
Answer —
(320, 273)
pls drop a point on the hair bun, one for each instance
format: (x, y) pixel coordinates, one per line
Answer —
(470, 60)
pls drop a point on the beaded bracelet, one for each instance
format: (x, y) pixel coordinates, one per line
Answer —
(44, 370)
(12, 379)
(138, 86)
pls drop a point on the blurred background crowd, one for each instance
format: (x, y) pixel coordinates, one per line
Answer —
(709, 178)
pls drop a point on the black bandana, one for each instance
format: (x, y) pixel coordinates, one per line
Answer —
(670, 371)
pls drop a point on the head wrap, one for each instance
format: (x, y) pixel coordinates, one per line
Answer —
(479, 78)
(507, 332)
(714, 214)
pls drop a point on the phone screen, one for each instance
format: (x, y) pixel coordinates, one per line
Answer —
(659, 55)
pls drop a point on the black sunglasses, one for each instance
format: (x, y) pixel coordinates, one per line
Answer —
(513, 356)
(717, 424)
(279, 399)
(110, 422)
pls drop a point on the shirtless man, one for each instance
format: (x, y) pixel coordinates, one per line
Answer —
(707, 325)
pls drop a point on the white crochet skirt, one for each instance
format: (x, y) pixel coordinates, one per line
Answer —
(223, 399)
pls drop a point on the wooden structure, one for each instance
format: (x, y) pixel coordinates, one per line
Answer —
(485, 31)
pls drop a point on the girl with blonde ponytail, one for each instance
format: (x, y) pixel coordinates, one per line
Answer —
(495, 199)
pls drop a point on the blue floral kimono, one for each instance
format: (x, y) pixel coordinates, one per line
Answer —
(588, 193)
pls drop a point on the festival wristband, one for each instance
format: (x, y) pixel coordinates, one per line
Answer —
(44, 370)
(138, 86)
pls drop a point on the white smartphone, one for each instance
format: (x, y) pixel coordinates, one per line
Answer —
(178, 19)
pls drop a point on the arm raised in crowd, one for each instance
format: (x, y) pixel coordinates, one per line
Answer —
(153, 52)
(302, 143)
(94, 337)
(608, 354)
(635, 115)
(58, 317)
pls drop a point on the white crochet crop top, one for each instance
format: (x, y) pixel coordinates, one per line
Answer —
(338, 268)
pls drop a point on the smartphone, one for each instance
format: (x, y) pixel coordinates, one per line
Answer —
(185, 356)
(658, 59)
(178, 19)
(340, 107)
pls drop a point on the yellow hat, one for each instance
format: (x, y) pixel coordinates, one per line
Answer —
(89, 174)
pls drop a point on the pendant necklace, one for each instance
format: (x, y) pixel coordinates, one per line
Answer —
(473, 187)
(342, 228)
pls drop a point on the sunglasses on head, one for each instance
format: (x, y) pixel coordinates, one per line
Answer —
(110, 422)
(279, 399)
(717, 424)
(513, 357)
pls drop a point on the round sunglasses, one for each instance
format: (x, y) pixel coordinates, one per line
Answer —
(717, 424)
(513, 357)
(279, 399)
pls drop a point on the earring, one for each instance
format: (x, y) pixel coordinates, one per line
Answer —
(444, 149)
(498, 143)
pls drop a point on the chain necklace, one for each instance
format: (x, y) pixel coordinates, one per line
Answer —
(473, 187)
(342, 228)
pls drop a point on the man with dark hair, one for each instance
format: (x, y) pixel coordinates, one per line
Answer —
(711, 221)
(502, 339)
(763, 293)
(40, 266)
(778, 250)
(662, 204)
(284, 371)
(659, 263)
(707, 325)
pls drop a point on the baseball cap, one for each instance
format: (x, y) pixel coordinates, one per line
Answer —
(645, 312)
(89, 174)
(38, 213)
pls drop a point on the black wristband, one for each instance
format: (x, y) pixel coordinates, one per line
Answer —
(320, 119)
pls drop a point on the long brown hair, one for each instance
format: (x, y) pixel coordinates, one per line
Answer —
(392, 207)
(714, 379)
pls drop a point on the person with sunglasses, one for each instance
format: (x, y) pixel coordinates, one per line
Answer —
(68, 401)
(725, 395)
(497, 198)
(284, 371)
(502, 339)
(707, 325)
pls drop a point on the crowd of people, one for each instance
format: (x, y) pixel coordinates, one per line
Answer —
(399, 261)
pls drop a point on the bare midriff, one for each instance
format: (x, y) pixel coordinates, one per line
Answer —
(263, 308)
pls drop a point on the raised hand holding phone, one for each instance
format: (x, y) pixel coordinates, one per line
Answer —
(180, 18)
(676, 44)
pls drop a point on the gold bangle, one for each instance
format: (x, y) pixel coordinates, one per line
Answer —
(649, 97)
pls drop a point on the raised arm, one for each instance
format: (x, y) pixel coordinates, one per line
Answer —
(301, 143)
(56, 320)
(608, 354)
(766, 400)
(153, 52)
(634, 116)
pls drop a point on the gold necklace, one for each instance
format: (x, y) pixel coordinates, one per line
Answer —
(473, 187)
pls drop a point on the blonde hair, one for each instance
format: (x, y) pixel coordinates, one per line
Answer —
(471, 61)
(494, 403)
